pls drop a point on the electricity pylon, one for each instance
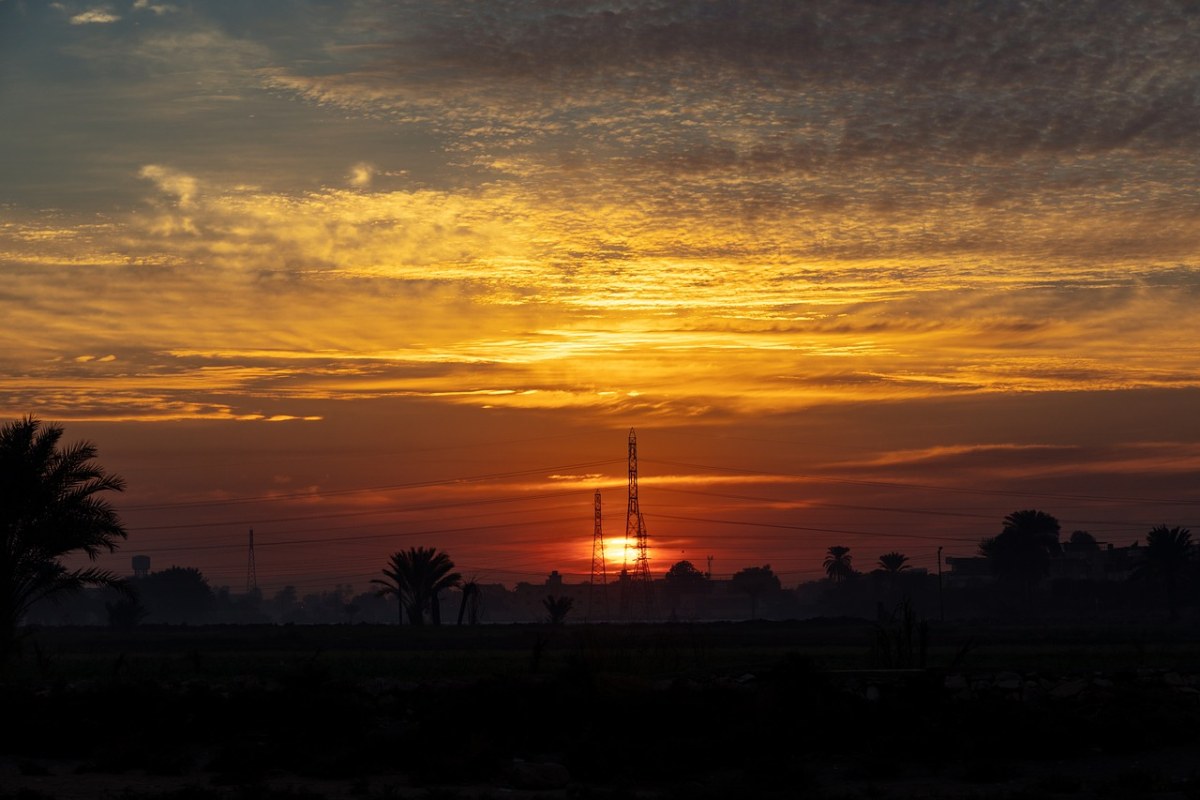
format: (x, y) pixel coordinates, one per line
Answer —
(637, 599)
(598, 592)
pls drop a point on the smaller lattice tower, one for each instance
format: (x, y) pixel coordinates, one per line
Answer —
(251, 573)
(637, 599)
(598, 591)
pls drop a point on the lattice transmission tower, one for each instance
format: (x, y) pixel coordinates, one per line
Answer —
(637, 599)
(598, 592)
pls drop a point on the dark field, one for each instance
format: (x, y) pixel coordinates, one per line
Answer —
(818, 708)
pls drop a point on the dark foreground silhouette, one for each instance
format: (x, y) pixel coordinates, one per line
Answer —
(752, 710)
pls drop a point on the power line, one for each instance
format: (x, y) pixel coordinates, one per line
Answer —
(819, 504)
(890, 509)
(361, 537)
(392, 522)
(927, 488)
(578, 465)
(265, 498)
(370, 512)
(839, 531)
(640, 529)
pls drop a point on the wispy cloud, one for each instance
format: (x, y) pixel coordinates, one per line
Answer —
(158, 9)
(173, 182)
(320, 277)
(361, 175)
(95, 16)
(675, 208)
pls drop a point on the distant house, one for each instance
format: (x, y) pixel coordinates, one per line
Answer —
(1077, 563)
(1090, 561)
(1120, 562)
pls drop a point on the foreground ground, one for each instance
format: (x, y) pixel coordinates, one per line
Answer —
(820, 708)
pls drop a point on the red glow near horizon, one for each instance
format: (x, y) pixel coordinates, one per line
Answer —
(512, 511)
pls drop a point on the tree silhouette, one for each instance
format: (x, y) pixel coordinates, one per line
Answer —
(416, 576)
(683, 577)
(557, 607)
(1083, 540)
(1020, 555)
(175, 595)
(284, 603)
(1167, 556)
(124, 612)
(901, 641)
(398, 583)
(755, 581)
(889, 566)
(893, 562)
(469, 602)
(838, 563)
(49, 509)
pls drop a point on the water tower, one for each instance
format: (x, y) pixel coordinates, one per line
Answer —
(141, 566)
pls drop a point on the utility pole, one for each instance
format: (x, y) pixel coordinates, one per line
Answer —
(941, 599)
(251, 573)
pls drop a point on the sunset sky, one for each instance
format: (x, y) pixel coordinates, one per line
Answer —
(366, 275)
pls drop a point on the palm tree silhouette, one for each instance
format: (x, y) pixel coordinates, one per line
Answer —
(893, 562)
(398, 583)
(469, 601)
(890, 565)
(557, 607)
(49, 509)
(838, 563)
(416, 576)
(1168, 555)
